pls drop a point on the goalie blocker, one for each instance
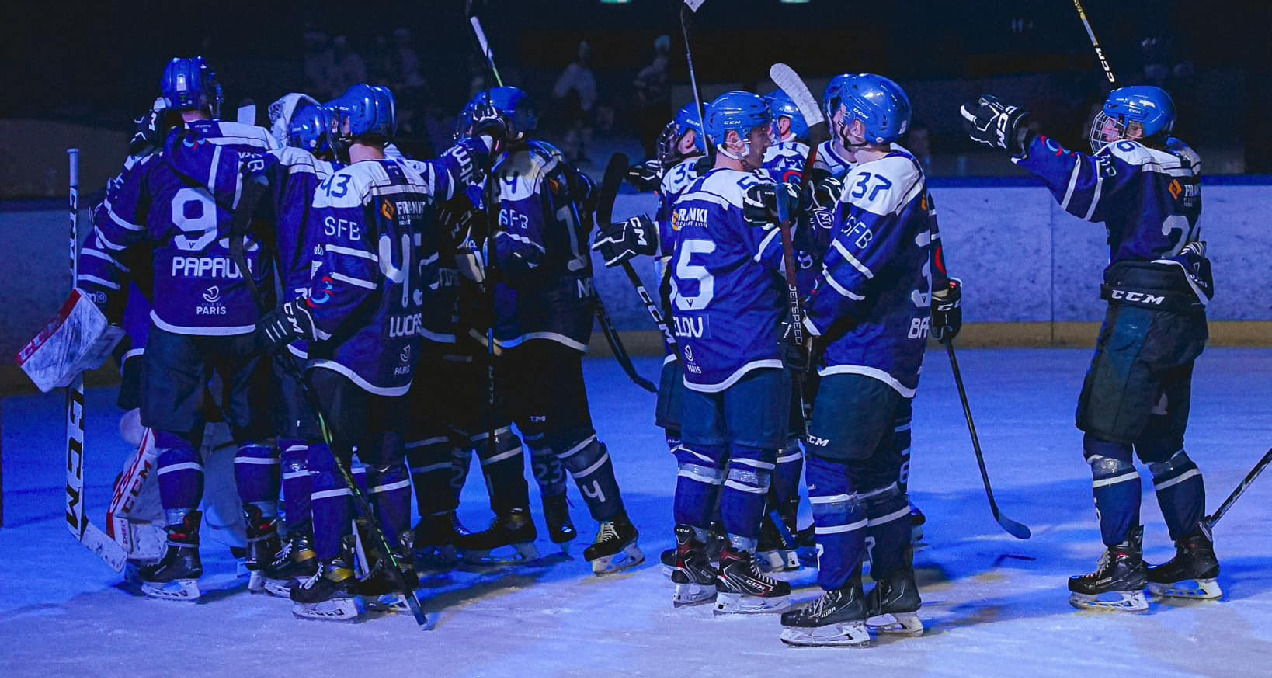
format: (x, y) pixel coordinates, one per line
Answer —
(77, 339)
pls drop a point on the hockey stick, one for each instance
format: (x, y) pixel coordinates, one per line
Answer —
(1015, 529)
(252, 194)
(1099, 52)
(1208, 522)
(686, 12)
(482, 42)
(85, 532)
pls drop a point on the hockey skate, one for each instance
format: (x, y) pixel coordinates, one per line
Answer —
(692, 573)
(1118, 582)
(295, 561)
(1192, 573)
(329, 594)
(615, 548)
(556, 513)
(433, 546)
(773, 554)
(176, 575)
(837, 618)
(263, 543)
(893, 602)
(744, 589)
(514, 529)
(716, 542)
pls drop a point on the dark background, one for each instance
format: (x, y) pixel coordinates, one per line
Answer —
(100, 62)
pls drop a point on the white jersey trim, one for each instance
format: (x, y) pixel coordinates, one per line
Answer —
(362, 383)
(873, 373)
(201, 331)
(733, 378)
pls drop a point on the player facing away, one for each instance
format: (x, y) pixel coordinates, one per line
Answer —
(1144, 185)
(544, 306)
(179, 203)
(868, 314)
(361, 317)
(728, 308)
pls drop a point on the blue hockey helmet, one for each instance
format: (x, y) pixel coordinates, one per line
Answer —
(687, 119)
(781, 105)
(879, 103)
(516, 107)
(189, 83)
(1149, 106)
(830, 99)
(310, 129)
(364, 110)
(464, 121)
(738, 111)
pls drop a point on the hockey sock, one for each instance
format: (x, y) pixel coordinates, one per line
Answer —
(839, 522)
(1116, 486)
(744, 494)
(1181, 494)
(589, 462)
(256, 475)
(547, 468)
(790, 464)
(297, 485)
(180, 472)
(432, 463)
(888, 530)
(698, 484)
(504, 470)
(901, 439)
(330, 501)
(390, 493)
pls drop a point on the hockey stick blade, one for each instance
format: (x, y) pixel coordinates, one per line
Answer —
(694, 4)
(1015, 529)
(789, 82)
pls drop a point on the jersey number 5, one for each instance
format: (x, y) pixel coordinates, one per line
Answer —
(689, 271)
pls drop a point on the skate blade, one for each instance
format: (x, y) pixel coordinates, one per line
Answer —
(256, 582)
(896, 623)
(436, 559)
(392, 603)
(521, 553)
(847, 634)
(629, 557)
(336, 609)
(279, 588)
(185, 590)
(1191, 589)
(1127, 601)
(692, 594)
(737, 603)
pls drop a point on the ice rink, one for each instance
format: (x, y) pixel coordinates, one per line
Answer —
(993, 605)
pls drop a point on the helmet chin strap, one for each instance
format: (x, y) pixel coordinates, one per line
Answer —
(746, 150)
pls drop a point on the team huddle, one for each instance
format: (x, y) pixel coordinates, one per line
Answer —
(330, 298)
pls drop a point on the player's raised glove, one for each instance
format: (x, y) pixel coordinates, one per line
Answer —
(824, 191)
(627, 240)
(947, 311)
(767, 203)
(645, 176)
(991, 122)
(291, 322)
(149, 130)
(489, 122)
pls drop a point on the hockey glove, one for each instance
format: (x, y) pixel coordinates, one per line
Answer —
(489, 122)
(150, 127)
(991, 122)
(625, 241)
(824, 192)
(947, 311)
(765, 204)
(794, 356)
(646, 176)
(291, 322)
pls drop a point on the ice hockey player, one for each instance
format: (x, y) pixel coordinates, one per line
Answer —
(303, 163)
(1144, 185)
(461, 416)
(180, 202)
(361, 317)
(728, 306)
(545, 300)
(868, 315)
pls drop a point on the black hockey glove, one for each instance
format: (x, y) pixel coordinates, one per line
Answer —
(991, 122)
(947, 311)
(291, 322)
(824, 191)
(627, 240)
(764, 204)
(794, 356)
(149, 131)
(489, 122)
(645, 176)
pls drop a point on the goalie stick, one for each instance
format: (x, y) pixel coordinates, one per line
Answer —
(614, 173)
(85, 532)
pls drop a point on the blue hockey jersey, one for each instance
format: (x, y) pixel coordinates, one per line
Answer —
(179, 203)
(674, 183)
(543, 264)
(1148, 199)
(729, 297)
(297, 176)
(367, 294)
(872, 301)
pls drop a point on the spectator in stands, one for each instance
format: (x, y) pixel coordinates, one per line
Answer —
(653, 96)
(575, 96)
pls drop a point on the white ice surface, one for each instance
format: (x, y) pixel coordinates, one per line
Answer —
(993, 605)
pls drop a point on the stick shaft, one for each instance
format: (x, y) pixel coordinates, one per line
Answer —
(1099, 51)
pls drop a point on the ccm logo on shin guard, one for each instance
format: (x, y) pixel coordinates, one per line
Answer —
(814, 440)
(1138, 297)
